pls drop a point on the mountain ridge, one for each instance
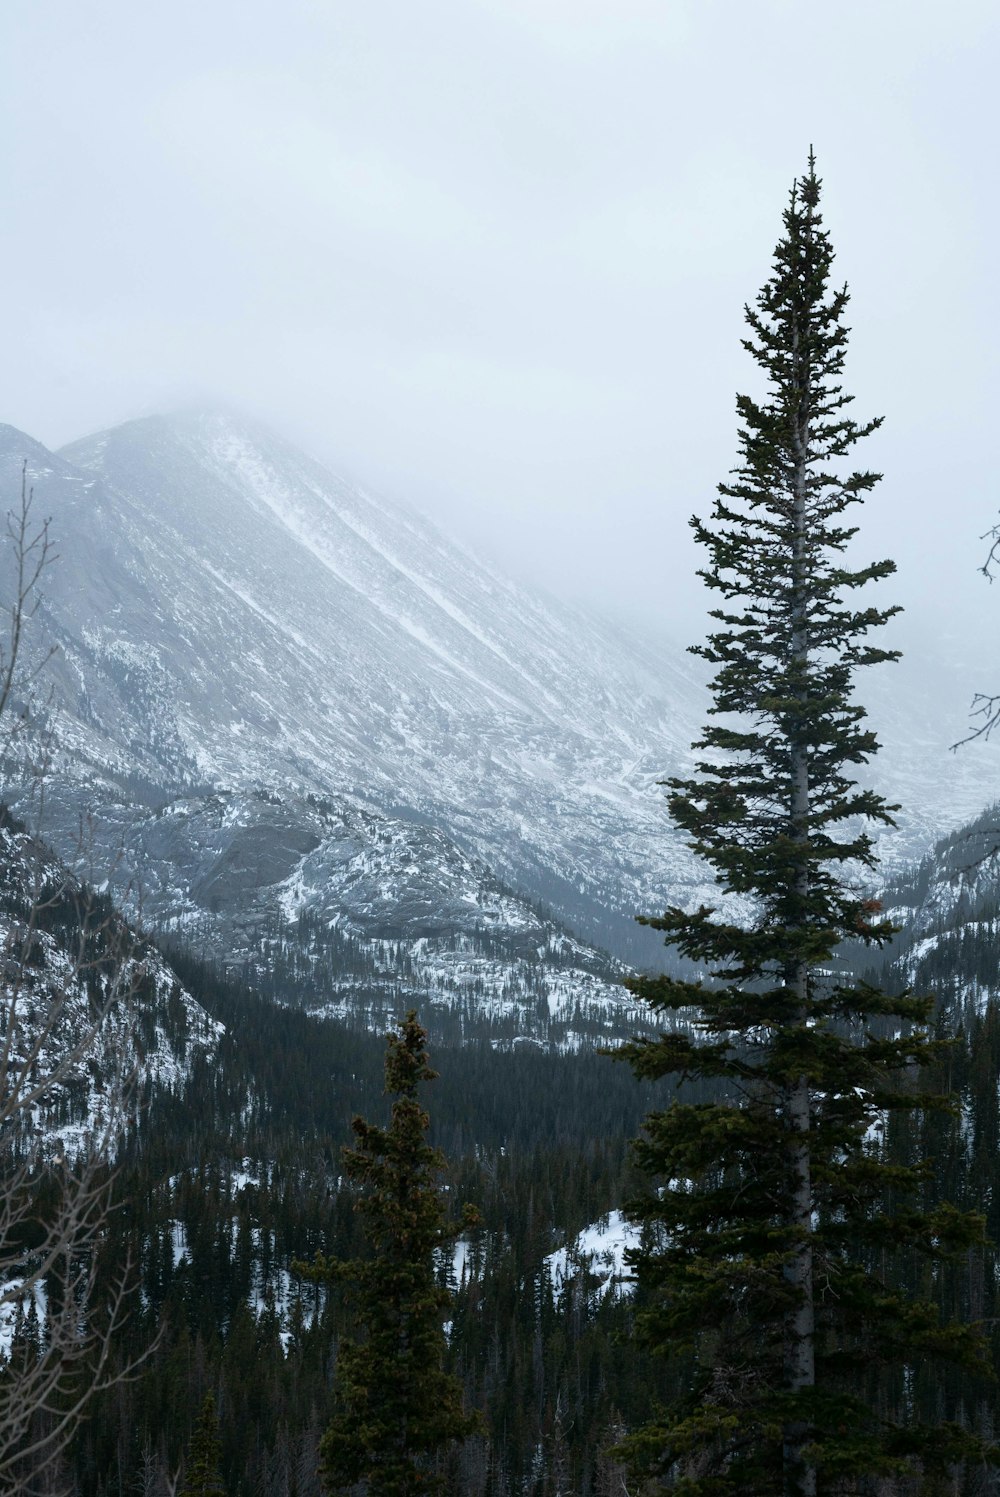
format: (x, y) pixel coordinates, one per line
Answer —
(390, 694)
(233, 617)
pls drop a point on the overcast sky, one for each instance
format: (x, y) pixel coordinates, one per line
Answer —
(490, 256)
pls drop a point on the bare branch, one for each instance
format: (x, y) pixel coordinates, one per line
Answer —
(32, 552)
(68, 970)
(993, 555)
(987, 708)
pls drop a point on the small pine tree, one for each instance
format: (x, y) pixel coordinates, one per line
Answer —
(202, 1476)
(779, 1237)
(398, 1410)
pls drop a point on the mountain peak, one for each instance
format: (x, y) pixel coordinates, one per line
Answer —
(230, 612)
(17, 446)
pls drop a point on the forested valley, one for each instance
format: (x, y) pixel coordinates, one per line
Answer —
(228, 1179)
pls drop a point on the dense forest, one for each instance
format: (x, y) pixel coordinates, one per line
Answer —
(229, 1178)
(228, 1181)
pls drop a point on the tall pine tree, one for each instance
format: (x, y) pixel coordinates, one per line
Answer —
(776, 1230)
(398, 1410)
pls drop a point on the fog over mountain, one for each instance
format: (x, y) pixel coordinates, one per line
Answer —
(286, 699)
(491, 255)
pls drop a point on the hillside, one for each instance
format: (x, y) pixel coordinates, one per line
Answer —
(91, 1015)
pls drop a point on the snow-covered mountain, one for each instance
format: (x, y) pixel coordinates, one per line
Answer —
(91, 1015)
(361, 916)
(949, 909)
(229, 614)
(234, 618)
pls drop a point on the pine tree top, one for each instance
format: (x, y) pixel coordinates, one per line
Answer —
(397, 1407)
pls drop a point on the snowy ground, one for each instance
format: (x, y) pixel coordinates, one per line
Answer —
(599, 1252)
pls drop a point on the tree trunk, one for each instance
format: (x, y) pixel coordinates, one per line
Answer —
(800, 1365)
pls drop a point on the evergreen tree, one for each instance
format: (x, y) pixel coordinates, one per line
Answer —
(398, 1410)
(202, 1477)
(776, 1229)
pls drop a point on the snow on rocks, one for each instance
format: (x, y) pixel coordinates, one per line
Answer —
(597, 1257)
(89, 1010)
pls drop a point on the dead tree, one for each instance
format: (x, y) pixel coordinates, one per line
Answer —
(66, 970)
(985, 708)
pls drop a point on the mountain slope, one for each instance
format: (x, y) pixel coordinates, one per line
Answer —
(949, 908)
(90, 1012)
(228, 613)
(355, 915)
(232, 616)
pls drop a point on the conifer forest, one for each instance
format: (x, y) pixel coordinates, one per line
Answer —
(424, 1133)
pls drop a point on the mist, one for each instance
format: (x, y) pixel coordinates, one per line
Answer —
(490, 257)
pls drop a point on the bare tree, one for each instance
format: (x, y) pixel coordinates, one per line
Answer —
(28, 553)
(66, 963)
(985, 708)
